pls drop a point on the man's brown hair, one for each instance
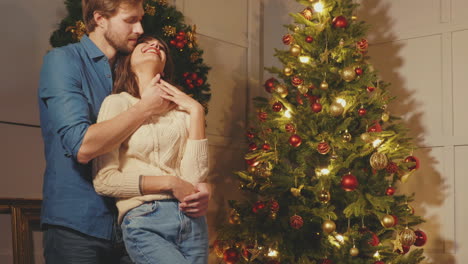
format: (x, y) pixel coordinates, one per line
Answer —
(107, 8)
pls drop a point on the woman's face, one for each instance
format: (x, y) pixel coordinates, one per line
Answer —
(149, 53)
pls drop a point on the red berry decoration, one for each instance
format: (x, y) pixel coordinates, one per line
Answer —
(277, 106)
(316, 107)
(266, 147)
(258, 205)
(370, 89)
(392, 167)
(262, 116)
(289, 128)
(390, 191)
(299, 99)
(253, 146)
(395, 218)
(274, 206)
(252, 162)
(199, 82)
(421, 238)
(323, 148)
(296, 81)
(375, 128)
(287, 39)
(413, 159)
(231, 256)
(250, 135)
(359, 71)
(295, 140)
(362, 112)
(270, 84)
(309, 39)
(180, 45)
(349, 182)
(296, 222)
(340, 22)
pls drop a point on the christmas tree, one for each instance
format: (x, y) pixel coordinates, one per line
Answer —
(165, 22)
(325, 156)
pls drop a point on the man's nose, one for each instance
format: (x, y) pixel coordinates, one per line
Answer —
(138, 28)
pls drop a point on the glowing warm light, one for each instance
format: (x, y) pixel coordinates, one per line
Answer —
(287, 114)
(377, 255)
(377, 142)
(304, 59)
(272, 253)
(325, 171)
(340, 238)
(322, 172)
(318, 7)
(341, 101)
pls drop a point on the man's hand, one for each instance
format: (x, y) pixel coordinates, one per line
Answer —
(196, 205)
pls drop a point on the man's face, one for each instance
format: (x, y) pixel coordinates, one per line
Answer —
(124, 28)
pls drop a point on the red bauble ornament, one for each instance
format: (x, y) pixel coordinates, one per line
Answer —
(231, 256)
(252, 146)
(295, 140)
(379, 262)
(413, 159)
(193, 76)
(323, 148)
(313, 99)
(250, 135)
(309, 39)
(375, 128)
(180, 45)
(191, 86)
(390, 191)
(395, 218)
(405, 250)
(299, 99)
(340, 22)
(296, 222)
(270, 84)
(316, 107)
(421, 238)
(252, 162)
(370, 89)
(349, 182)
(274, 206)
(362, 111)
(185, 75)
(188, 81)
(392, 167)
(359, 71)
(266, 147)
(258, 205)
(289, 128)
(287, 39)
(296, 81)
(199, 82)
(362, 46)
(277, 106)
(374, 241)
(262, 116)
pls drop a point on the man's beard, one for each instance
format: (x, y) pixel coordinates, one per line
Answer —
(119, 45)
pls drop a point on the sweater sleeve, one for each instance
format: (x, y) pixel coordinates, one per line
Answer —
(108, 179)
(194, 166)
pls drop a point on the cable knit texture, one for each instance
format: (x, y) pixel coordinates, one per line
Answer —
(160, 147)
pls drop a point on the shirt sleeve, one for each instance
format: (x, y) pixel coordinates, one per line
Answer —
(194, 166)
(108, 179)
(67, 106)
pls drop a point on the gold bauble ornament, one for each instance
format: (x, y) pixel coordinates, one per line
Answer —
(328, 226)
(385, 116)
(324, 196)
(366, 137)
(378, 161)
(282, 90)
(303, 89)
(387, 221)
(324, 85)
(348, 74)
(295, 50)
(347, 137)
(252, 169)
(354, 251)
(288, 71)
(407, 237)
(336, 109)
(234, 217)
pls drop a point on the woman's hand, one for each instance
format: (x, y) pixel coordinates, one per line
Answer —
(181, 99)
(181, 189)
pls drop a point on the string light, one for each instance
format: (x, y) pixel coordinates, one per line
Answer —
(322, 172)
(304, 59)
(287, 114)
(341, 101)
(377, 255)
(272, 253)
(376, 143)
(318, 7)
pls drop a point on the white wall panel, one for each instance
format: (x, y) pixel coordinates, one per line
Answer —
(26, 26)
(225, 20)
(460, 82)
(459, 11)
(414, 68)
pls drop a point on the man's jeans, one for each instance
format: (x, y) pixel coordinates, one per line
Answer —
(158, 232)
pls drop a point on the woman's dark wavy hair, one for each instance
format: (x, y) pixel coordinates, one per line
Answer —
(125, 80)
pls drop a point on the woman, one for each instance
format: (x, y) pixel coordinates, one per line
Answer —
(156, 167)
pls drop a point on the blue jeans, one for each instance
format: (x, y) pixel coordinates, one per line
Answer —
(159, 233)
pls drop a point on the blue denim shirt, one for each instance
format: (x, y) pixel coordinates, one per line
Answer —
(74, 81)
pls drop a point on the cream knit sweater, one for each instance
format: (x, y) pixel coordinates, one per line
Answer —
(160, 147)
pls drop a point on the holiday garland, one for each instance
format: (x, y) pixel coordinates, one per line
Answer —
(165, 22)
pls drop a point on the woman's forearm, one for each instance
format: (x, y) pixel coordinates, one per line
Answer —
(197, 124)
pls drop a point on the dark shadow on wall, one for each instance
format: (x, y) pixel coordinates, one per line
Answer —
(429, 186)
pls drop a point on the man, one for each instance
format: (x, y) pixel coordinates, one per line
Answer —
(78, 223)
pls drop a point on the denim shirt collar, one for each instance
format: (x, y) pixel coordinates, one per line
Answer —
(93, 51)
